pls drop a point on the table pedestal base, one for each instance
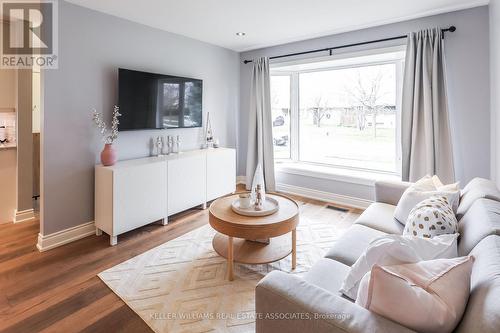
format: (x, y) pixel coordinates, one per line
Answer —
(254, 253)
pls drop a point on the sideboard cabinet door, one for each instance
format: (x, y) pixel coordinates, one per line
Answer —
(186, 182)
(139, 195)
(221, 172)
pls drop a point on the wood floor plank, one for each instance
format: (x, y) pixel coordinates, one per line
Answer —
(56, 312)
(87, 315)
(120, 320)
(59, 291)
(8, 319)
(56, 275)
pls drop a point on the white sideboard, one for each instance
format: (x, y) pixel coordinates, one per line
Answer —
(137, 192)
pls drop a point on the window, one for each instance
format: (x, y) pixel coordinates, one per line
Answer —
(280, 105)
(341, 113)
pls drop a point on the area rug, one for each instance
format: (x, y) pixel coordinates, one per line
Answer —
(181, 286)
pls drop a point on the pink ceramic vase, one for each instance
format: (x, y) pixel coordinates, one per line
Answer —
(108, 155)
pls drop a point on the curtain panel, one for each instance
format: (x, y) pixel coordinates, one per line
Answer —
(260, 129)
(425, 132)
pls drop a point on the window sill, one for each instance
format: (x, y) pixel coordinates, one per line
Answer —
(360, 177)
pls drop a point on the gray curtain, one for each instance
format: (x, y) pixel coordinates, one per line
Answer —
(425, 132)
(260, 130)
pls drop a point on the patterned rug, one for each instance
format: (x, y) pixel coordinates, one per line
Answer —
(181, 286)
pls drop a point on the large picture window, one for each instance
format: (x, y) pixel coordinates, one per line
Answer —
(280, 102)
(339, 113)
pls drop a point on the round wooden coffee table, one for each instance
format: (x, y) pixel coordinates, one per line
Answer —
(254, 240)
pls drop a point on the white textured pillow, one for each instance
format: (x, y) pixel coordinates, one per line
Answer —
(431, 217)
(441, 187)
(428, 296)
(424, 189)
(397, 249)
(426, 183)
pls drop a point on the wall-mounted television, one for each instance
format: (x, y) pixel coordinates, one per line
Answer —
(158, 101)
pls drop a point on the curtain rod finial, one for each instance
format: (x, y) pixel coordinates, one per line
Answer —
(453, 28)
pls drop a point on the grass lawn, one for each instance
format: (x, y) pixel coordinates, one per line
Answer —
(346, 146)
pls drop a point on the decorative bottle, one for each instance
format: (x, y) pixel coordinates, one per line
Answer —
(177, 146)
(159, 146)
(165, 145)
(170, 144)
(258, 198)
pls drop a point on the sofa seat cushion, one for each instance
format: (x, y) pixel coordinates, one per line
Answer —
(352, 244)
(481, 220)
(380, 216)
(482, 313)
(327, 274)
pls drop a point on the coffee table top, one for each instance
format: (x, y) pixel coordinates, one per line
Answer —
(226, 221)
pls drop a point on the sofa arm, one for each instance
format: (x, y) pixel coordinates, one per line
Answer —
(287, 303)
(390, 192)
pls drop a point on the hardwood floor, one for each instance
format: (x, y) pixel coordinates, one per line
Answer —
(59, 291)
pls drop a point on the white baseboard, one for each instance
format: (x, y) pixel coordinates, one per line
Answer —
(241, 180)
(324, 196)
(24, 215)
(48, 242)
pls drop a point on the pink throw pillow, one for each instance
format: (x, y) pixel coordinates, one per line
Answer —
(428, 296)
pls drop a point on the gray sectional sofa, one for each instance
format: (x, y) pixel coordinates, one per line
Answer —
(288, 303)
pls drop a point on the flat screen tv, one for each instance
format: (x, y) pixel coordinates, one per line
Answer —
(157, 101)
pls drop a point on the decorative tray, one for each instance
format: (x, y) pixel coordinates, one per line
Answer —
(270, 206)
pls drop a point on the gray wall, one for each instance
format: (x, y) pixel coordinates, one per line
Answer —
(495, 87)
(468, 86)
(91, 48)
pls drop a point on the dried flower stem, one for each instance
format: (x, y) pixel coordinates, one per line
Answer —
(108, 135)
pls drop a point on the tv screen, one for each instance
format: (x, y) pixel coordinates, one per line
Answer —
(156, 101)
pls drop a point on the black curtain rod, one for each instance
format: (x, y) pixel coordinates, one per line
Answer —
(450, 29)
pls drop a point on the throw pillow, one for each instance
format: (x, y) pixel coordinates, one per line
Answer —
(426, 183)
(397, 249)
(428, 296)
(424, 189)
(441, 187)
(431, 217)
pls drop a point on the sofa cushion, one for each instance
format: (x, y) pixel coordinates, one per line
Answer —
(476, 189)
(394, 250)
(482, 313)
(481, 220)
(434, 293)
(327, 274)
(380, 216)
(352, 244)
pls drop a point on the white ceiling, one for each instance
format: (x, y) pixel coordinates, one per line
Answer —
(269, 22)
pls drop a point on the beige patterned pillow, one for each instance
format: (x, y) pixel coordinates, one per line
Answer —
(431, 217)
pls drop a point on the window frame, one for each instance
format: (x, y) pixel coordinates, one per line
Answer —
(295, 103)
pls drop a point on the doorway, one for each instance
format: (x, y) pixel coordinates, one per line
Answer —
(20, 123)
